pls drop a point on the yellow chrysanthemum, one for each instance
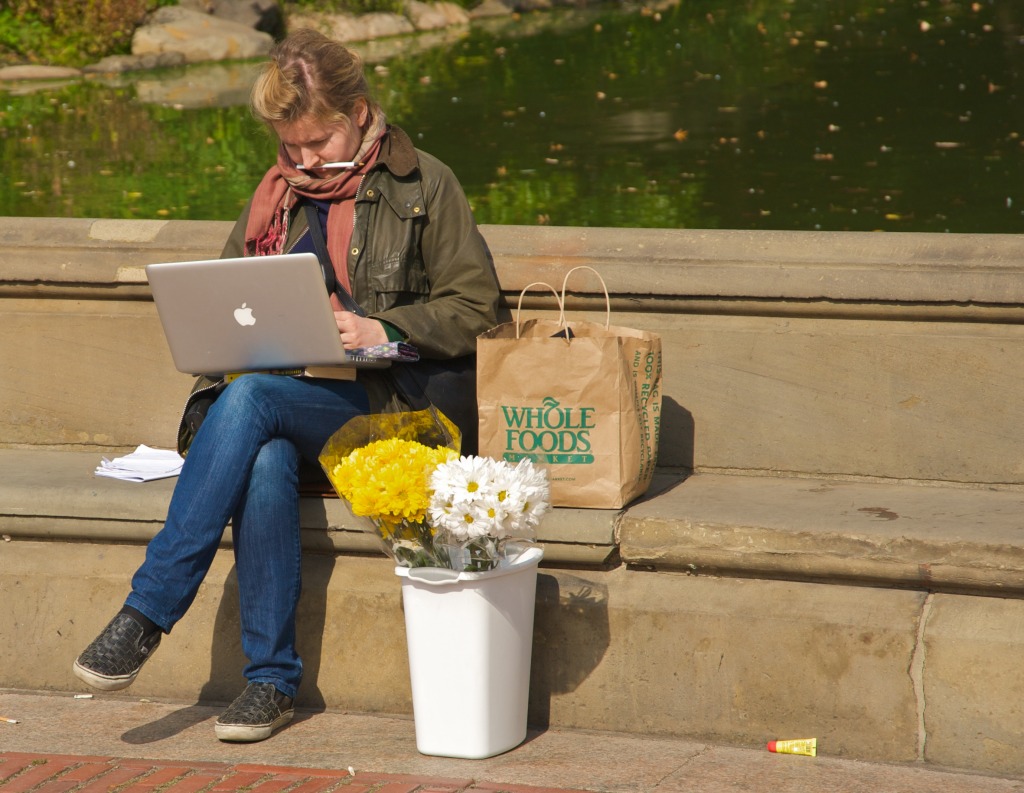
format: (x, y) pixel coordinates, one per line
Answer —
(388, 480)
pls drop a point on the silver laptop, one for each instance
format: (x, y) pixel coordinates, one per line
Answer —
(258, 313)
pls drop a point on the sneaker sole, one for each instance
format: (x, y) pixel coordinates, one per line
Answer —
(242, 733)
(102, 682)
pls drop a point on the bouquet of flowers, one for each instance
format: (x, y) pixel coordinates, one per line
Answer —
(429, 506)
(478, 504)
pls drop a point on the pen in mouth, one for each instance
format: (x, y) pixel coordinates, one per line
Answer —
(350, 164)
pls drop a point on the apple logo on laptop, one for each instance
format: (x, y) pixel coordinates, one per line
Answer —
(243, 316)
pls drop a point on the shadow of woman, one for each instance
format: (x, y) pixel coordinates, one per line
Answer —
(170, 725)
(178, 721)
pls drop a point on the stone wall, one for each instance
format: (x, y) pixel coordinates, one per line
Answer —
(855, 355)
(832, 548)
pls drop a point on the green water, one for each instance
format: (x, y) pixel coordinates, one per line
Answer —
(843, 115)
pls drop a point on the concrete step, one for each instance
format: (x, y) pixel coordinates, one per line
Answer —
(926, 536)
(54, 495)
(882, 618)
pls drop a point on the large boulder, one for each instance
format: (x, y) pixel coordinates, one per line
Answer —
(424, 16)
(433, 16)
(265, 15)
(491, 8)
(349, 27)
(379, 24)
(454, 13)
(29, 71)
(199, 37)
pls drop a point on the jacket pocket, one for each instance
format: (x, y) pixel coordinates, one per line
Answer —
(398, 280)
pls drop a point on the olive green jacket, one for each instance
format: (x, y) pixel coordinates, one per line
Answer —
(417, 260)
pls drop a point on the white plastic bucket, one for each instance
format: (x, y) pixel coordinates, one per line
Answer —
(470, 638)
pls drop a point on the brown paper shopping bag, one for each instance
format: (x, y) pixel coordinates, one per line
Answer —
(581, 398)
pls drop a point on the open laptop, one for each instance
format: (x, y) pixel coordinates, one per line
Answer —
(253, 314)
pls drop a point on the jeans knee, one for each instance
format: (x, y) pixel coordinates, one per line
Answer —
(247, 390)
(276, 461)
(244, 401)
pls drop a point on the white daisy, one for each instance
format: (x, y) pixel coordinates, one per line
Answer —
(479, 498)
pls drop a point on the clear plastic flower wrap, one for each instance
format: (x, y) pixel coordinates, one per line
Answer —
(429, 506)
(381, 465)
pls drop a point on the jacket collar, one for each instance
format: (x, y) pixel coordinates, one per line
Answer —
(397, 153)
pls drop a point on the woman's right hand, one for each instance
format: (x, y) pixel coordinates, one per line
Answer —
(357, 331)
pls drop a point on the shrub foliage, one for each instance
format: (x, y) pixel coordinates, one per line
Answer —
(69, 32)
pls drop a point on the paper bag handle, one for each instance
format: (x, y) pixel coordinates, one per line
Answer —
(519, 305)
(607, 299)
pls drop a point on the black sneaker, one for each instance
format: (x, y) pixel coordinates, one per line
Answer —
(258, 711)
(115, 657)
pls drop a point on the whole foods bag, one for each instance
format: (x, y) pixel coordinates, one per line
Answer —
(581, 398)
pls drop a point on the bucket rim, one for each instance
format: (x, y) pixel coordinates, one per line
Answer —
(520, 558)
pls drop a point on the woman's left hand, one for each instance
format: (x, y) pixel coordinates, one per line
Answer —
(359, 331)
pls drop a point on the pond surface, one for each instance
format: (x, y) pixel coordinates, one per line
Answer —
(784, 114)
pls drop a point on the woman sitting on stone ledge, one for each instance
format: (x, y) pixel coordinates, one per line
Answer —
(401, 236)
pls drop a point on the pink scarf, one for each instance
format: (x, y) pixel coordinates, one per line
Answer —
(280, 189)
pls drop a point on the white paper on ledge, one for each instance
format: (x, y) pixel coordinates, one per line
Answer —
(142, 465)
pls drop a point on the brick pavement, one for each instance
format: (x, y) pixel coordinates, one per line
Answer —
(45, 773)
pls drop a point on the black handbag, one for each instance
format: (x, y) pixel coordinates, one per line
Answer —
(204, 392)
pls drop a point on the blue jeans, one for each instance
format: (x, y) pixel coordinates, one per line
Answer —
(243, 466)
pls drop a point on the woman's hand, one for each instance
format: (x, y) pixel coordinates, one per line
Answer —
(359, 331)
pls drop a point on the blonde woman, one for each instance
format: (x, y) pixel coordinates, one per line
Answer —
(403, 242)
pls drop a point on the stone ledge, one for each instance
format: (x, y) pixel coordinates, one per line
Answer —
(925, 537)
(840, 532)
(671, 270)
(54, 495)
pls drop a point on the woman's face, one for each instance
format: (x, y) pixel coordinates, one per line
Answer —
(311, 142)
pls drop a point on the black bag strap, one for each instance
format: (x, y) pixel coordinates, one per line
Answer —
(320, 244)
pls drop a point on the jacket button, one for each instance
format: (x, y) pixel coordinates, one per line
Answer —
(415, 209)
(369, 193)
(355, 251)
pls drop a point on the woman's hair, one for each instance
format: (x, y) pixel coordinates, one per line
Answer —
(310, 75)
